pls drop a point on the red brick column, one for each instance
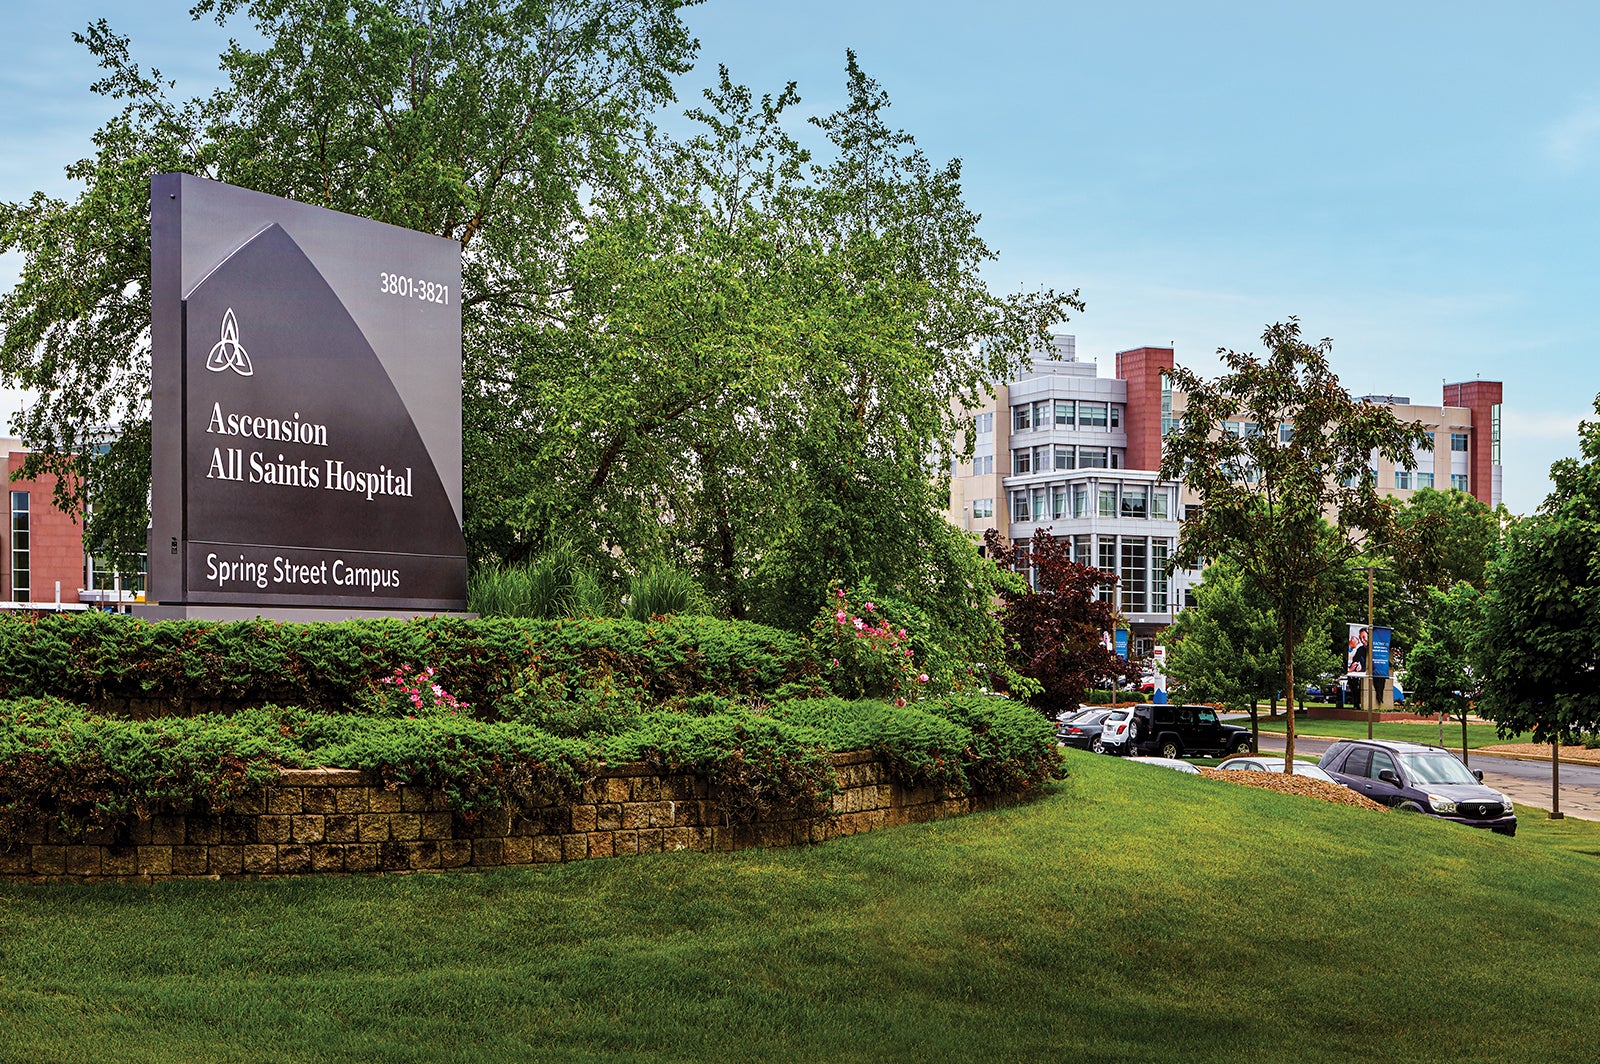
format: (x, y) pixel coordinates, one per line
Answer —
(1142, 367)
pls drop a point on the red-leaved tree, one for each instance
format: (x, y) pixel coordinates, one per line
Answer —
(1056, 633)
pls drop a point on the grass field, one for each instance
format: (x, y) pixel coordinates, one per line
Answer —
(1478, 735)
(1133, 914)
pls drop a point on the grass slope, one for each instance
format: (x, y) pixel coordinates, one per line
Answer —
(1477, 734)
(1134, 914)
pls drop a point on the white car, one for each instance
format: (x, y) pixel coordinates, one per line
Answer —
(1117, 730)
(1275, 764)
(1168, 762)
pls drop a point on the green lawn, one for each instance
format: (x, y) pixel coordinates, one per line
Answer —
(1477, 734)
(1134, 914)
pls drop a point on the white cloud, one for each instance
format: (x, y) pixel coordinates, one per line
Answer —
(1570, 141)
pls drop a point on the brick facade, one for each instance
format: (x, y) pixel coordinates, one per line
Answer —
(342, 821)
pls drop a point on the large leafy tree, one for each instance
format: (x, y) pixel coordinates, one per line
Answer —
(483, 121)
(1293, 507)
(1439, 674)
(1226, 648)
(1056, 629)
(1537, 651)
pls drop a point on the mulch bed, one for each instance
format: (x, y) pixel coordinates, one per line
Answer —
(1304, 786)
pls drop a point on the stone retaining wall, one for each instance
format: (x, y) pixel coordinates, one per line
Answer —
(344, 821)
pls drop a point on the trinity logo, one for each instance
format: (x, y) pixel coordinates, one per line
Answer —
(228, 353)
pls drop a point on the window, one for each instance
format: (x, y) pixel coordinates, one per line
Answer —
(1092, 458)
(1092, 415)
(1021, 418)
(1080, 501)
(1135, 554)
(1080, 550)
(1458, 441)
(1041, 415)
(1022, 460)
(1058, 502)
(1108, 501)
(1424, 480)
(982, 507)
(1402, 478)
(1160, 504)
(1019, 506)
(1041, 504)
(1041, 459)
(1135, 501)
(1494, 434)
(1285, 433)
(1158, 576)
(1458, 481)
(20, 582)
(1116, 415)
(983, 465)
(985, 422)
(1381, 763)
(1064, 457)
(1066, 413)
(1108, 566)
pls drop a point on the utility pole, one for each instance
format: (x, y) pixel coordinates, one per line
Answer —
(1367, 691)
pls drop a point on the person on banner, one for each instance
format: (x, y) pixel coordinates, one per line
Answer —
(1360, 657)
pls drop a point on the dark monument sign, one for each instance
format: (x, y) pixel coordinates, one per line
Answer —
(306, 382)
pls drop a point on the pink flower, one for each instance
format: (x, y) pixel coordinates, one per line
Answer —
(840, 592)
(839, 616)
(902, 633)
(860, 624)
(923, 678)
(899, 701)
(908, 652)
(869, 605)
(836, 662)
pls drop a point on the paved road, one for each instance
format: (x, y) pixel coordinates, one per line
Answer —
(1527, 782)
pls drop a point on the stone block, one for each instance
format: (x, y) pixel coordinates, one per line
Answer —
(608, 817)
(152, 861)
(413, 800)
(308, 827)
(574, 847)
(600, 844)
(383, 801)
(488, 852)
(650, 840)
(361, 857)
(422, 853)
(406, 827)
(204, 831)
(226, 860)
(294, 858)
(116, 861)
(83, 860)
(625, 842)
(454, 853)
(320, 800)
(614, 789)
(274, 829)
(327, 857)
(547, 848)
(393, 856)
(372, 827)
(167, 831)
(285, 801)
(492, 823)
(592, 792)
(237, 830)
(190, 861)
(251, 803)
(518, 849)
(350, 799)
(584, 818)
(138, 834)
(259, 859)
(438, 825)
(341, 827)
(644, 789)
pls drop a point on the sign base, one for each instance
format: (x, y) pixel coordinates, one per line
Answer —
(178, 611)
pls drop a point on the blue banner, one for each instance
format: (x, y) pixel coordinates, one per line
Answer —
(1380, 651)
(1122, 644)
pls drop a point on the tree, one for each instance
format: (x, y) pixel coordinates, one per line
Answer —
(1288, 493)
(1538, 649)
(483, 121)
(1226, 648)
(1439, 674)
(1057, 631)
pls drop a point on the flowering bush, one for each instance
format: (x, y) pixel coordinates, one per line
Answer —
(867, 654)
(409, 692)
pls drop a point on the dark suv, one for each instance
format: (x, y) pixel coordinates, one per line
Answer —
(1419, 779)
(1186, 731)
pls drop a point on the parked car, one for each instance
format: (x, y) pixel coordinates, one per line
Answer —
(1419, 778)
(1168, 762)
(1082, 730)
(1183, 731)
(1256, 763)
(1117, 731)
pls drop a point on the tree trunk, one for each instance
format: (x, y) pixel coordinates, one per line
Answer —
(1288, 687)
(1255, 721)
(1464, 760)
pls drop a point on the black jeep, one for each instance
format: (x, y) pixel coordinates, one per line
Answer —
(1186, 731)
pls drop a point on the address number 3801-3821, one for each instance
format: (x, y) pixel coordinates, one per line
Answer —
(395, 284)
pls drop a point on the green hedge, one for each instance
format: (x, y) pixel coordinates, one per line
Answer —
(97, 658)
(88, 772)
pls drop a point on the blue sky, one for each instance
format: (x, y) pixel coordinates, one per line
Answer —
(1412, 180)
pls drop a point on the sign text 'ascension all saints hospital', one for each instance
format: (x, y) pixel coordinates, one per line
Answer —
(306, 413)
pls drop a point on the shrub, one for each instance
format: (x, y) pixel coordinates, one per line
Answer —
(665, 592)
(1012, 749)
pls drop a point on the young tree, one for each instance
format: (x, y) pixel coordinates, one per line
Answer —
(1538, 649)
(1439, 674)
(1291, 507)
(1057, 631)
(1226, 648)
